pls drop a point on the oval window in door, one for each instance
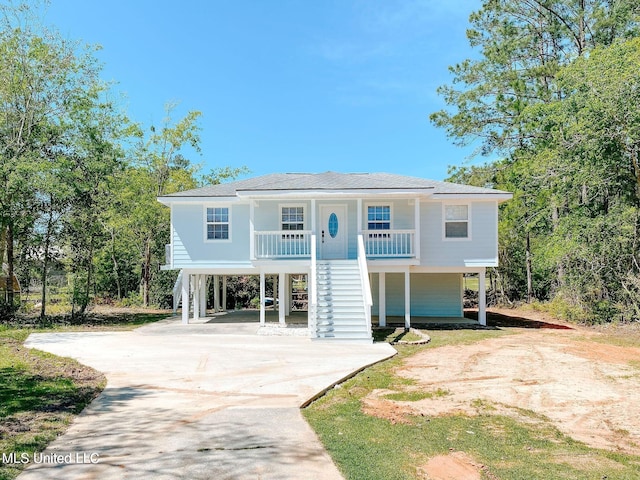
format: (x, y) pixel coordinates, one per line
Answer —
(333, 225)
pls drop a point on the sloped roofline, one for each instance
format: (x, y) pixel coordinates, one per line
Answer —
(333, 183)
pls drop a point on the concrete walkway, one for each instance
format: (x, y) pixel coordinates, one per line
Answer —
(199, 401)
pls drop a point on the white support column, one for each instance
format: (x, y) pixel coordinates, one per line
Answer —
(196, 297)
(203, 296)
(224, 293)
(262, 295)
(416, 237)
(275, 291)
(252, 233)
(407, 299)
(216, 294)
(282, 297)
(287, 294)
(382, 299)
(359, 216)
(214, 300)
(185, 297)
(482, 297)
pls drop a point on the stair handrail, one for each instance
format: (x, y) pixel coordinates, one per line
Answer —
(177, 292)
(364, 278)
(313, 290)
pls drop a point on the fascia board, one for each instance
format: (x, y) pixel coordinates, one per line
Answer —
(177, 200)
(491, 197)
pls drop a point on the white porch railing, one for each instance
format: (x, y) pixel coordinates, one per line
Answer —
(366, 285)
(389, 243)
(283, 244)
(177, 293)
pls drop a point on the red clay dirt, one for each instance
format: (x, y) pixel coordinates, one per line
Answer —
(455, 466)
(560, 371)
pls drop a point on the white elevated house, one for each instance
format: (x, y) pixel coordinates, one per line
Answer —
(370, 244)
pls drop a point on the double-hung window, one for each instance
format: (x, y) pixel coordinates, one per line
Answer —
(456, 221)
(292, 218)
(378, 218)
(217, 223)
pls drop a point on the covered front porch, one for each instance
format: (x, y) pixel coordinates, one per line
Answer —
(389, 226)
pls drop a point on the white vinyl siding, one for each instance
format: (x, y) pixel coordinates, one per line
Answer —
(191, 249)
(438, 251)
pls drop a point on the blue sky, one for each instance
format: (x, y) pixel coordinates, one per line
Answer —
(286, 85)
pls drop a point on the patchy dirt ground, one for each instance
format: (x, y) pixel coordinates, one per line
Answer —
(587, 388)
(454, 466)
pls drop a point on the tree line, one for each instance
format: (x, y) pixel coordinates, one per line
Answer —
(554, 96)
(79, 178)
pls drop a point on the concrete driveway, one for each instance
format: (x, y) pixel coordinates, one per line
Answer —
(203, 401)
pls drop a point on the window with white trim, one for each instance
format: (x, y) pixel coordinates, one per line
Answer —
(378, 218)
(456, 221)
(292, 218)
(217, 223)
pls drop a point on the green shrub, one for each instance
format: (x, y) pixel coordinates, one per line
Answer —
(161, 288)
(134, 299)
(255, 302)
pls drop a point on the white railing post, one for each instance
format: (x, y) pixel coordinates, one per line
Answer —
(366, 285)
(313, 292)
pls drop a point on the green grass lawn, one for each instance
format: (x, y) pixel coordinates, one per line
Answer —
(367, 448)
(41, 393)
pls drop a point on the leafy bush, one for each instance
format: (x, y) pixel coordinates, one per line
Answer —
(161, 288)
(134, 299)
(255, 302)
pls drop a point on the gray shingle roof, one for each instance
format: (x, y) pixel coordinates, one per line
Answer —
(328, 181)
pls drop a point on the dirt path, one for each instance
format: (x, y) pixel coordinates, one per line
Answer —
(588, 389)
